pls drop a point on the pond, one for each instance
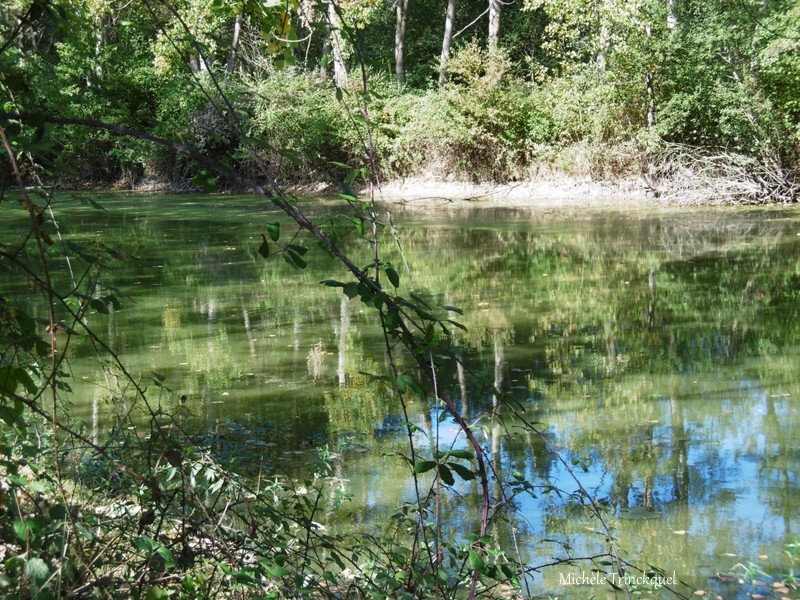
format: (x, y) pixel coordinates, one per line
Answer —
(660, 348)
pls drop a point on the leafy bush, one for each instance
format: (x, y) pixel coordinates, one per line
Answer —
(300, 126)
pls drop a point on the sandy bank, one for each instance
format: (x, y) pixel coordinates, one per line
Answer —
(562, 192)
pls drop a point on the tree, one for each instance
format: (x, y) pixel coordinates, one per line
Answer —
(399, 40)
(494, 22)
(447, 40)
(237, 28)
(335, 42)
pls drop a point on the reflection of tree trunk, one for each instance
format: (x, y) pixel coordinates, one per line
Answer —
(681, 476)
(96, 417)
(212, 313)
(296, 334)
(344, 328)
(782, 466)
(496, 458)
(651, 309)
(248, 331)
(499, 363)
(611, 347)
(208, 406)
(462, 385)
(647, 500)
(623, 486)
(649, 479)
(337, 475)
(447, 40)
(111, 326)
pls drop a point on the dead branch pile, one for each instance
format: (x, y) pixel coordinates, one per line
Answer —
(690, 175)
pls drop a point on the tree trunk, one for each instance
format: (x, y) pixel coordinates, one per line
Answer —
(447, 40)
(237, 28)
(672, 16)
(494, 22)
(339, 68)
(101, 41)
(400, 40)
(605, 35)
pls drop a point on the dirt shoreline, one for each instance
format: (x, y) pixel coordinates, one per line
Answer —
(557, 192)
(562, 192)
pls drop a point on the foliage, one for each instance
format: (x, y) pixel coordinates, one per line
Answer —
(722, 75)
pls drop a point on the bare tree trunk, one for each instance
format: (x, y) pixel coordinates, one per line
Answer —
(494, 22)
(324, 71)
(605, 35)
(447, 40)
(339, 68)
(237, 28)
(672, 16)
(101, 40)
(400, 40)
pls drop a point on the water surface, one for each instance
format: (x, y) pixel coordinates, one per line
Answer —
(660, 348)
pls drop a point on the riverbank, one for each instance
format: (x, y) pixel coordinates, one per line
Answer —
(547, 192)
(551, 192)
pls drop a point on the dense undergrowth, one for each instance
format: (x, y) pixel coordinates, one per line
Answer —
(569, 88)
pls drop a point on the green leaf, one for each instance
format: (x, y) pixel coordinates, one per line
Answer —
(446, 475)
(350, 289)
(457, 324)
(453, 309)
(332, 283)
(36, 569)
(408, 381)
(166, 554)
(394, 277)
(278, 571)
(293, 259)
(263, 249)
(99, 306)
(157, 593)
(301, 250)
(359, 223)
(462, 471)
(462, 454)
(476, 562)
(274, 230)
(424, 466)
(21, 529)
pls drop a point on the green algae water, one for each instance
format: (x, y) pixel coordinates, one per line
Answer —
(660, 349)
